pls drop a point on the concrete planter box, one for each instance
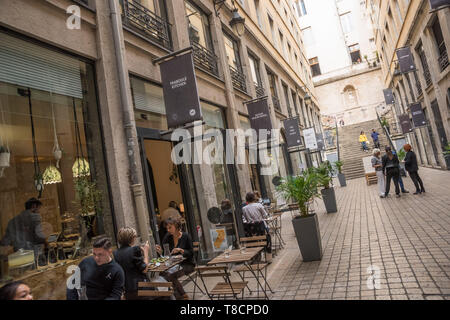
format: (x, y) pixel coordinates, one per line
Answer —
(308, 236)
(342, 180)
(329, 199)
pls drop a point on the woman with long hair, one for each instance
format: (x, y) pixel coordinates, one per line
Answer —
(412, 168)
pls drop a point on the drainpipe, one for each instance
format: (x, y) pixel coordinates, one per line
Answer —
(130, 128)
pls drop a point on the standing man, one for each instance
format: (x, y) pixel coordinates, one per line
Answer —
(375, 135)
(102, 277)
(391, 168)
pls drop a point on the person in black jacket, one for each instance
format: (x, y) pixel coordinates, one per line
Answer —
(101, 276)
(391, 168)
(412, 168)
(133, 260)
(180, 243)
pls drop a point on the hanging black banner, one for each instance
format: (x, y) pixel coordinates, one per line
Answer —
(439, 4)
(320, 142)
(388, 96)
(418, 117)
(180, 91)
(405, 123)
(259, 116)
(405, 60)
(293, 138)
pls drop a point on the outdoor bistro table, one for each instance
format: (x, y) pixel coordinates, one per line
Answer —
(235, 257)
(162, 267)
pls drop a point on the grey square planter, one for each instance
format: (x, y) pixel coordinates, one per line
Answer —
(342, 180)
(329, 199)
(308, 236)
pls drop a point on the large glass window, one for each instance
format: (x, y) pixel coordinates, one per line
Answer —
(232, 51)
(51, 150)
(199, 31)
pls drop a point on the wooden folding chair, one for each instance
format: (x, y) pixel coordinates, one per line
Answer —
(221, 289)
(193, 276)
(256, 266)
(143, 289)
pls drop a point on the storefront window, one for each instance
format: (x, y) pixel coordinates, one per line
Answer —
(49, 126)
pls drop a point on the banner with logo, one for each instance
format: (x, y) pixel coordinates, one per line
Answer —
(437, 4)
(310, 138)
(259, 116)
(405, 60)
(180, 91)
(388, 96)
(405, 123)
(418, 117)
(293, 138)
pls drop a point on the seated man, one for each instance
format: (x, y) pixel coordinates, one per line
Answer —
(24, 231)
(102, 277)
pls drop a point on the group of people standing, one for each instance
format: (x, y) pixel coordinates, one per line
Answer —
(387, 169)
(364, 141)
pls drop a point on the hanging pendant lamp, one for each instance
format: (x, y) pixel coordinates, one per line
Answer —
(51, 175)
(80, 167)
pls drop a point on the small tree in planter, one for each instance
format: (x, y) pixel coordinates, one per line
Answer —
(324, 178)
(401, 154)
(339, 164)
(89, 199)
(5, 157)
(302, 189)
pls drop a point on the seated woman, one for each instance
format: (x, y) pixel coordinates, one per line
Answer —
(16, 290)
(133, 260)
(180, 243)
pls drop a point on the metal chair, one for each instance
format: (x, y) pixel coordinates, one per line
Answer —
(226, 288)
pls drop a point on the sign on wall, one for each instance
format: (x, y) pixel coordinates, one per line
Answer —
(310, 138)
(418, 117)
(293, 138)
(320, 142)
(405, 123)
(388, 96)
(180, 91)
(259, 116)
(405, 60)
(439, 4)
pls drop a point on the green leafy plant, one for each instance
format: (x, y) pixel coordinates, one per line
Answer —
(300, 189)
(384, 122)
(401, 154)
(88, 196)
(324, 174)
(447, 150)
(339, 165)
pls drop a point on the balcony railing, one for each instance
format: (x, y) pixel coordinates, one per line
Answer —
(260, 92)
(418, 85)
(204, 58)
(276, 103)
(146, 23)
(238, 79)
(443, 60)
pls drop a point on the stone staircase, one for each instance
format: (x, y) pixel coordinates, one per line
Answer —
(350, 149)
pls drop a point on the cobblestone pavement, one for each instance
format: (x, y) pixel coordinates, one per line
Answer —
(408, 239)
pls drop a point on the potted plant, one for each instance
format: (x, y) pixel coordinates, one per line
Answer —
(447, 156)
(89, 199)
(401, 154)
(302, 190)
(5, 157)
(324, 177)
(341, 176)
(385, 123)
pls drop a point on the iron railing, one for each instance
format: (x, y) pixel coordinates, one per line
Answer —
(238, 79)
(443, 60)
(147, 23)
(418, 85)
(426, 70)
(204, 58)
(276, 103)
(260, 92)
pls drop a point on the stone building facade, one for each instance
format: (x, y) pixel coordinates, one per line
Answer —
(412, 23)
(97, 89)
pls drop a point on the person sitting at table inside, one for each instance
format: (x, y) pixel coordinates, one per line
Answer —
(254, 214)
(180, 243)
(24, 231)
(133, 260)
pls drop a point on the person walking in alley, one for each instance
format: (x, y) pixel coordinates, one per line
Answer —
(412, 168)
(363, 140)
(378, 165)
(391, 168)
(376, 142)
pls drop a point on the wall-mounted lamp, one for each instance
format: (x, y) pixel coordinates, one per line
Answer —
(307, 96)
(237, 23)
